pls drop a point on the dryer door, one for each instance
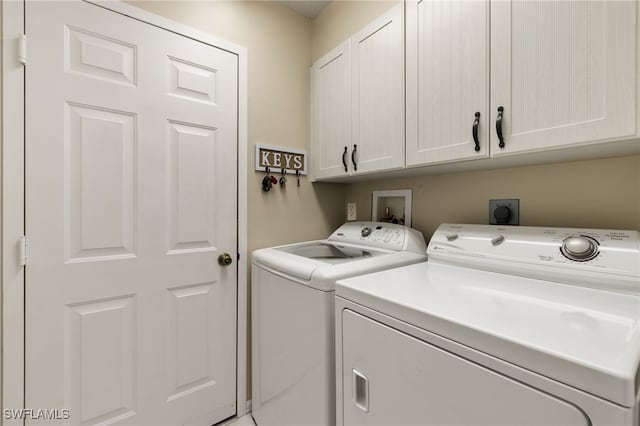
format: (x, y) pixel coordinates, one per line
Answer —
(389, 377)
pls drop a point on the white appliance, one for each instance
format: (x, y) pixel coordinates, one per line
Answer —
(292, 293)
(502, 326)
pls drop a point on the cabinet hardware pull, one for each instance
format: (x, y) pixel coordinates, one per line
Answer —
(360, 390)
(476, 123)
(353, 157)
(499, 127)
(344, 159)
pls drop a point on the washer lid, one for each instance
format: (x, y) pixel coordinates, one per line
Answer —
(326, 251)
(301, 260)
(584, 337)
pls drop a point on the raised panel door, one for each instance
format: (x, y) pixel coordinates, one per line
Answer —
(131, 157)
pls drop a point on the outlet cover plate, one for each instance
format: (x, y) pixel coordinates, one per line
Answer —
(351, 211)
(514, 206)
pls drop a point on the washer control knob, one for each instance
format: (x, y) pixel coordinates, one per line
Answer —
(452, 237)
(579, 248)
(497, 240)
(366, 231)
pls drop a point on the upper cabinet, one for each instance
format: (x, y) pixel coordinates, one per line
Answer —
(563, 73)
(331, 112)
(377, 69)
(527, 80)
(357, 97)
(447, 81)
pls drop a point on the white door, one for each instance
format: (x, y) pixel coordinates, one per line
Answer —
(331, 112)
(130, 197)
(447, 81)
(377, 53)
(562, 72)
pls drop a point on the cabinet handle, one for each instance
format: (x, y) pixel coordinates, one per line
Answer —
(344, 159)
(360, 390)
(499, 127)
(353, 157)
(476, 123)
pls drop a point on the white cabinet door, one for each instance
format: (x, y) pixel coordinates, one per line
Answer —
(390, 378)
(131, 155)
(562, 72)
(331, 112)
(377, 54)
(447, 81)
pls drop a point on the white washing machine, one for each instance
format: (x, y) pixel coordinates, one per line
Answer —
(501, 326)
(292, 299)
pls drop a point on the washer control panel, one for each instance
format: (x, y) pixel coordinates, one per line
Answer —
(379, 234)
(523, 249)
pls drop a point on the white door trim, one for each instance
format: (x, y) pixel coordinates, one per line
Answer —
(12, 209)
(12, 366)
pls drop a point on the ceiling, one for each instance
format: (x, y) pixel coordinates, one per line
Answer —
(307, 8)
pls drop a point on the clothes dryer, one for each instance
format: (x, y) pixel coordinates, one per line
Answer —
(501, 326)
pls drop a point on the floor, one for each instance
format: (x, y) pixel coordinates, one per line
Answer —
(245, 420)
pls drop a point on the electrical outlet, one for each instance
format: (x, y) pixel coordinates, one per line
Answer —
(351, 211)
(504, 212)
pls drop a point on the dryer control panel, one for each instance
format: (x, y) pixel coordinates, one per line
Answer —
(556, 253)
(383, 235)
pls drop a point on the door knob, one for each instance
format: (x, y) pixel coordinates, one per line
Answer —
(225, 259)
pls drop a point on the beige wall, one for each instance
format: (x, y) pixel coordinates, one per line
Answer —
(601, 193)
(340, 19)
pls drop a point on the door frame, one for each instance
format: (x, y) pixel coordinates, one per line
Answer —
(13, 201)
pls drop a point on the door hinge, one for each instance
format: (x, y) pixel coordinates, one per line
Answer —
(22, 255)
(22, 49)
